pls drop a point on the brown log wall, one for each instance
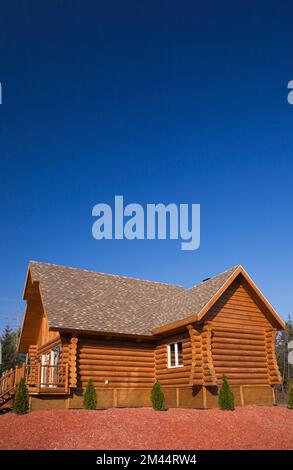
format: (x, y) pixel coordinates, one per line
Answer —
(242, 339)
(126, 364)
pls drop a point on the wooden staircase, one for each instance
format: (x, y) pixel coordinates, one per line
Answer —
(9, 382)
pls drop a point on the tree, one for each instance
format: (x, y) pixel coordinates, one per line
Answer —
(157, 397)
(226, 397)
(90, 396)
(283, 339)
(290, 396)
(9, 341)
(21, 399)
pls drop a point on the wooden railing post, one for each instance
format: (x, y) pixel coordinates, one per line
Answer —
(38, 385)
(72, 362)
(23, 372)
(66, 378)
(15, 376)
(11, 381)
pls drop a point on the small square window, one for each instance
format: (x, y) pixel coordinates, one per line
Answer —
(175, 355)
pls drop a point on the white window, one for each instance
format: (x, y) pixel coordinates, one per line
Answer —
(175, 356)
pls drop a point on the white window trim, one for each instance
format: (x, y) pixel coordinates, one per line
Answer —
(176, 356)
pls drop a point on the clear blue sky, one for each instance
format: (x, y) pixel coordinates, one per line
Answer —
(160, 101)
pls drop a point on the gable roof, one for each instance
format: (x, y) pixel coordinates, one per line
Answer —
(190, 302)
(86, 300)
(201, 298)
(76, 299)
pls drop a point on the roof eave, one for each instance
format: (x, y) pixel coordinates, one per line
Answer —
(82, 332)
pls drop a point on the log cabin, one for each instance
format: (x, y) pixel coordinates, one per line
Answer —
(126, 333)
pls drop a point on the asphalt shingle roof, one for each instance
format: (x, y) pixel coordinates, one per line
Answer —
(86, 300)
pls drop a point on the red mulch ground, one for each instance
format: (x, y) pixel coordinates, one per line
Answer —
(251, 427)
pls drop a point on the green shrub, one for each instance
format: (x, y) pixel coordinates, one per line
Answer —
(21, 399)
(290, 396)
(90, 396)
(226, 397)
(157, 397)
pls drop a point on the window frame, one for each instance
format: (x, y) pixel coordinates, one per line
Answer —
(176, 355)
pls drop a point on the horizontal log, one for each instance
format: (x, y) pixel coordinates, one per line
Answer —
(241, 370)
(116, 385)
(187, 361)
(230, 358)
(132, 380)
(195, 349)
(234, 375)
(163, 358)
(232, 334)
(173, 376)
(126, 351)
(233, 328)
(274, 376)
(161, 349)
(239, 297)
(110, 386)
(233, 352)
(252, 342)
(246, 381)
(174, 381)
(112, 373)
(240, 364)
(195, 336)
(240, 293)
(172, 369)
(226, 317)
(187, 358)
(116, 361)
(162, 362)
(217, 345)
(240, 306)
(103, 354)
(114, 367)
(243, 317)
(247, 302)
(272, 367)
(121, 347)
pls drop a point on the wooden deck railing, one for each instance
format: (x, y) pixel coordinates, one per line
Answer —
(11, 378)
(47, 379)
(39, 379)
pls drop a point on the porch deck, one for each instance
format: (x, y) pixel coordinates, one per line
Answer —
(39, 379)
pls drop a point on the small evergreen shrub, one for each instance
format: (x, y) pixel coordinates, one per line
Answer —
(157, 397)
(290, 396)
(226, 397)
(90, 396)
(21, 399)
